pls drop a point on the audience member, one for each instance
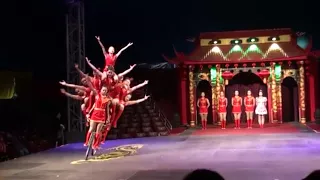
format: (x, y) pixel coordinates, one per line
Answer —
(203, 174)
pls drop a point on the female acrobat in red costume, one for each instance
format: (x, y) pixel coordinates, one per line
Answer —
(236, 108)
(100, 115)
(83, 94)
(126, 102)
(110, 57)
(249, 104)
(223, 103)
(120, 91)
(203, 105)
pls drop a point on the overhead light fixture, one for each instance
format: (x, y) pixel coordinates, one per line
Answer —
(236, 41)
(214, 42)
(252, 40)
(274, 38)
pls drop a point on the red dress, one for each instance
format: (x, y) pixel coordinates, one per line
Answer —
(122, 95)
(222, 105)
(115, 91)
(203, 106)
(249, 102)
(236, 101)
(110, 60)
(96, 82)
(99, 111)
(90, 101)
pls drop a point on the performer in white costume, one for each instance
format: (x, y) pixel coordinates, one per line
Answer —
(261, 109)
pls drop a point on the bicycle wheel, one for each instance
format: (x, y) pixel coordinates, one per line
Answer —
(89, 148)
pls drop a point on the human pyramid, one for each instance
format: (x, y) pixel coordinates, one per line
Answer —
(104, 95)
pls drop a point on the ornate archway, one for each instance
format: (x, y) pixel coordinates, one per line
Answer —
(290, 99)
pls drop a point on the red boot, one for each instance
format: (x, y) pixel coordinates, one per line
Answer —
(87, 138)
(238, 123)
(202, 124)
(248, 123)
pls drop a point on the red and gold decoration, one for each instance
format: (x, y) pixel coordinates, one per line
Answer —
(274, 93)
(302, 103)
(264, 74)
(227, 75)
(192, 98)
(218, 89)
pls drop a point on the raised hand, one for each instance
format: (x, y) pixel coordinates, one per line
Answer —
(98, 38)
(146, 97)
(132, 66)
(146, 82)
(62, 82)
(87, 59)
(76, 66)
(129, 44)
(63, 91)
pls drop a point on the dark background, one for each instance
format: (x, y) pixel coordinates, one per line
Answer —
(33, 34)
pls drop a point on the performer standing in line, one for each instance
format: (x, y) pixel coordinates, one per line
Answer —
(236, 108)
(223, 103)
(126, 102)
(203, 105)
(110, 57)
(249, 103)
(261, 109)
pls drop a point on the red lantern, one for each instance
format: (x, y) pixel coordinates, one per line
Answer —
(264, 74)
(227, 65)
(289, 63)
(236, 65)
(253, 65)
(201, 67)
(263, 64)
(209, 66)
(280, 63)
(244, 65)
(227, 75)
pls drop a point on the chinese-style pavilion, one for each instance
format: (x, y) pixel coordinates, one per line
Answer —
(272, 54)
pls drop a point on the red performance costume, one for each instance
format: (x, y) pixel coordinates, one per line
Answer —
(99, 115)
(222, 105)
(223, 109)
(110, 60)
(236, 108)
(203, 106)
(249, 103)
(123, 92)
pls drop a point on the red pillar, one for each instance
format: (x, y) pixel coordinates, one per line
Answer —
(312, 99)
(183, 96)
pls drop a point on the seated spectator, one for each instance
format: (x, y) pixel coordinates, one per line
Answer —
(3, 146)
(315, 175)
(203, 174)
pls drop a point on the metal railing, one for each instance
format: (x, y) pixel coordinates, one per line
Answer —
(161, 115)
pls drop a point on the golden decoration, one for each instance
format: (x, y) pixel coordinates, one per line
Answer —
(191, 98)
(302, 93)
(117, 152)
(203, 76)
(273, 90)
(218, 89)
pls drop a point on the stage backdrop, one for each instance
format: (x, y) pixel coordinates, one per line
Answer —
(243, 82)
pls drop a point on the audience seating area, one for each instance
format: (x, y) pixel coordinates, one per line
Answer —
(141, 120)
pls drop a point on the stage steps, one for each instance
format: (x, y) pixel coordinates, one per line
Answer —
(141, 120)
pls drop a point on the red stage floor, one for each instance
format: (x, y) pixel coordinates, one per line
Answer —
(268, 129)
(315, 127)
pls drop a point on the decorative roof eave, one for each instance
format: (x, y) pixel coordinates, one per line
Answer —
(191, 62)
(172, 60)
(179, 59)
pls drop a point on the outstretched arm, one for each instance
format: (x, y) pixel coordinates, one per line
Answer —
(137, 101)
(124, 48)
(94, 68)
(226, 101)
(138, 86)
(82, 74)
(198, 103)
(88, 79)
(245, 104)
(101, 45)
(77, 97)
(126, 71)
(108, 111)
(73, 86)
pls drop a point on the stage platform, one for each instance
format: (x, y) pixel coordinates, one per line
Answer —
(282, 156)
